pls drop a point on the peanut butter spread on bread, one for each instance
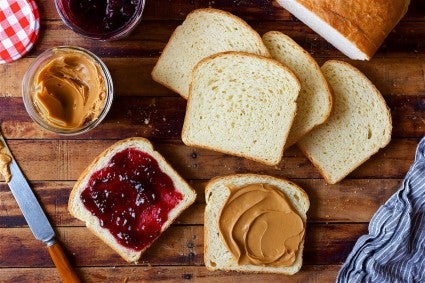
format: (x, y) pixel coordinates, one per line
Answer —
(260, 227)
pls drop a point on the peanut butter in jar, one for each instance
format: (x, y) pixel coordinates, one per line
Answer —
(68, 90)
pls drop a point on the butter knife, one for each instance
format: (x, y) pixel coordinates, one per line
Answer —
(37, 220)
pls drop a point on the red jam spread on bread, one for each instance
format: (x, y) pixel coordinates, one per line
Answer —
(132, 197)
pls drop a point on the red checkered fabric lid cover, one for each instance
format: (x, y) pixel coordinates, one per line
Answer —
(19, 27)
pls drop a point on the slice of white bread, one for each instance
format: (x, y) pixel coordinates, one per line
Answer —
(78, 210)
(204, 32)
(241, 104)
(314, 102)
(356, 28)
(360, 124)
(216, 254)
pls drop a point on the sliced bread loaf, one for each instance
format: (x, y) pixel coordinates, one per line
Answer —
(241, 104)
(360, 124)
(314, 102)
(204, 32)
(356, 28)
(217, 255)
(136, 190)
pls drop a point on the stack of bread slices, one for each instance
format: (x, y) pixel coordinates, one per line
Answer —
(254, 97)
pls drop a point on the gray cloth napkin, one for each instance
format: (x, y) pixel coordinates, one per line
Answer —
(394, 249)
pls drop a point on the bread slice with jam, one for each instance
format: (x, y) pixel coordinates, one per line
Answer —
(128, 196)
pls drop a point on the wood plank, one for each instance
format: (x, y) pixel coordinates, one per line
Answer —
(54, 198)
(258, 10)
(308, 274)
(162, 10)
(150, 37)
(349, 201)
(66, 159)
(399, 77)
(392, 76)
(162, 118)
(129, 116)
(130, 77)
(338, 214)
(179, 245)
(61, 160)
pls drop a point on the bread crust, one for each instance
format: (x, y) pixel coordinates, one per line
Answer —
(153, 73)
(198, 11)
(329, 92)
(379, 96)
(230, 179)
(99, 162)
(211, 57)
(316, 67)
(268, 178)
(365, 23)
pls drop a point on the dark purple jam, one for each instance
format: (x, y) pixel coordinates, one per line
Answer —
(132, 197)
(100, 16)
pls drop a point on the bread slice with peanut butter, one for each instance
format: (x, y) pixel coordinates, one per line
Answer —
(274, 209)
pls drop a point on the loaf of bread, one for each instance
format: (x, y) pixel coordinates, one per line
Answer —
(360, 124)
(217, 255)
(145, 192)
(314, 102)
(204, 32)
(241, 104)
(355, 27)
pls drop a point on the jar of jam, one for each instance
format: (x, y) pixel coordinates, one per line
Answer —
(101, 19)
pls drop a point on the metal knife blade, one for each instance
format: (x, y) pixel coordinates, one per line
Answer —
(37, 220)
(28, 203)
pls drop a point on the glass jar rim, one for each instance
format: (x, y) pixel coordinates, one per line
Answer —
(40, 61)
(112, 35)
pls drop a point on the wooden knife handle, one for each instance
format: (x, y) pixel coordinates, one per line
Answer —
(67, 273)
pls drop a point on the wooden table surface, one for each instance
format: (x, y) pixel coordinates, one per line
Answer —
(339, 214)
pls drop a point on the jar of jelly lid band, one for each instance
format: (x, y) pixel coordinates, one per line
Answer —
(101, 19)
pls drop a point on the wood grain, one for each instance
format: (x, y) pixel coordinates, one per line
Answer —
(178, 245)
(162, 118)
(247, 9)
(392, 76)
(308, 274)
(338, 214)
(58, 160)
(150, 37)
(349, 201)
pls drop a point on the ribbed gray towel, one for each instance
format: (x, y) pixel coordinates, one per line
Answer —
(394, 249)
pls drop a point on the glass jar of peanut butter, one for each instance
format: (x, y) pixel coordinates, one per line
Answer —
(67, 90)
